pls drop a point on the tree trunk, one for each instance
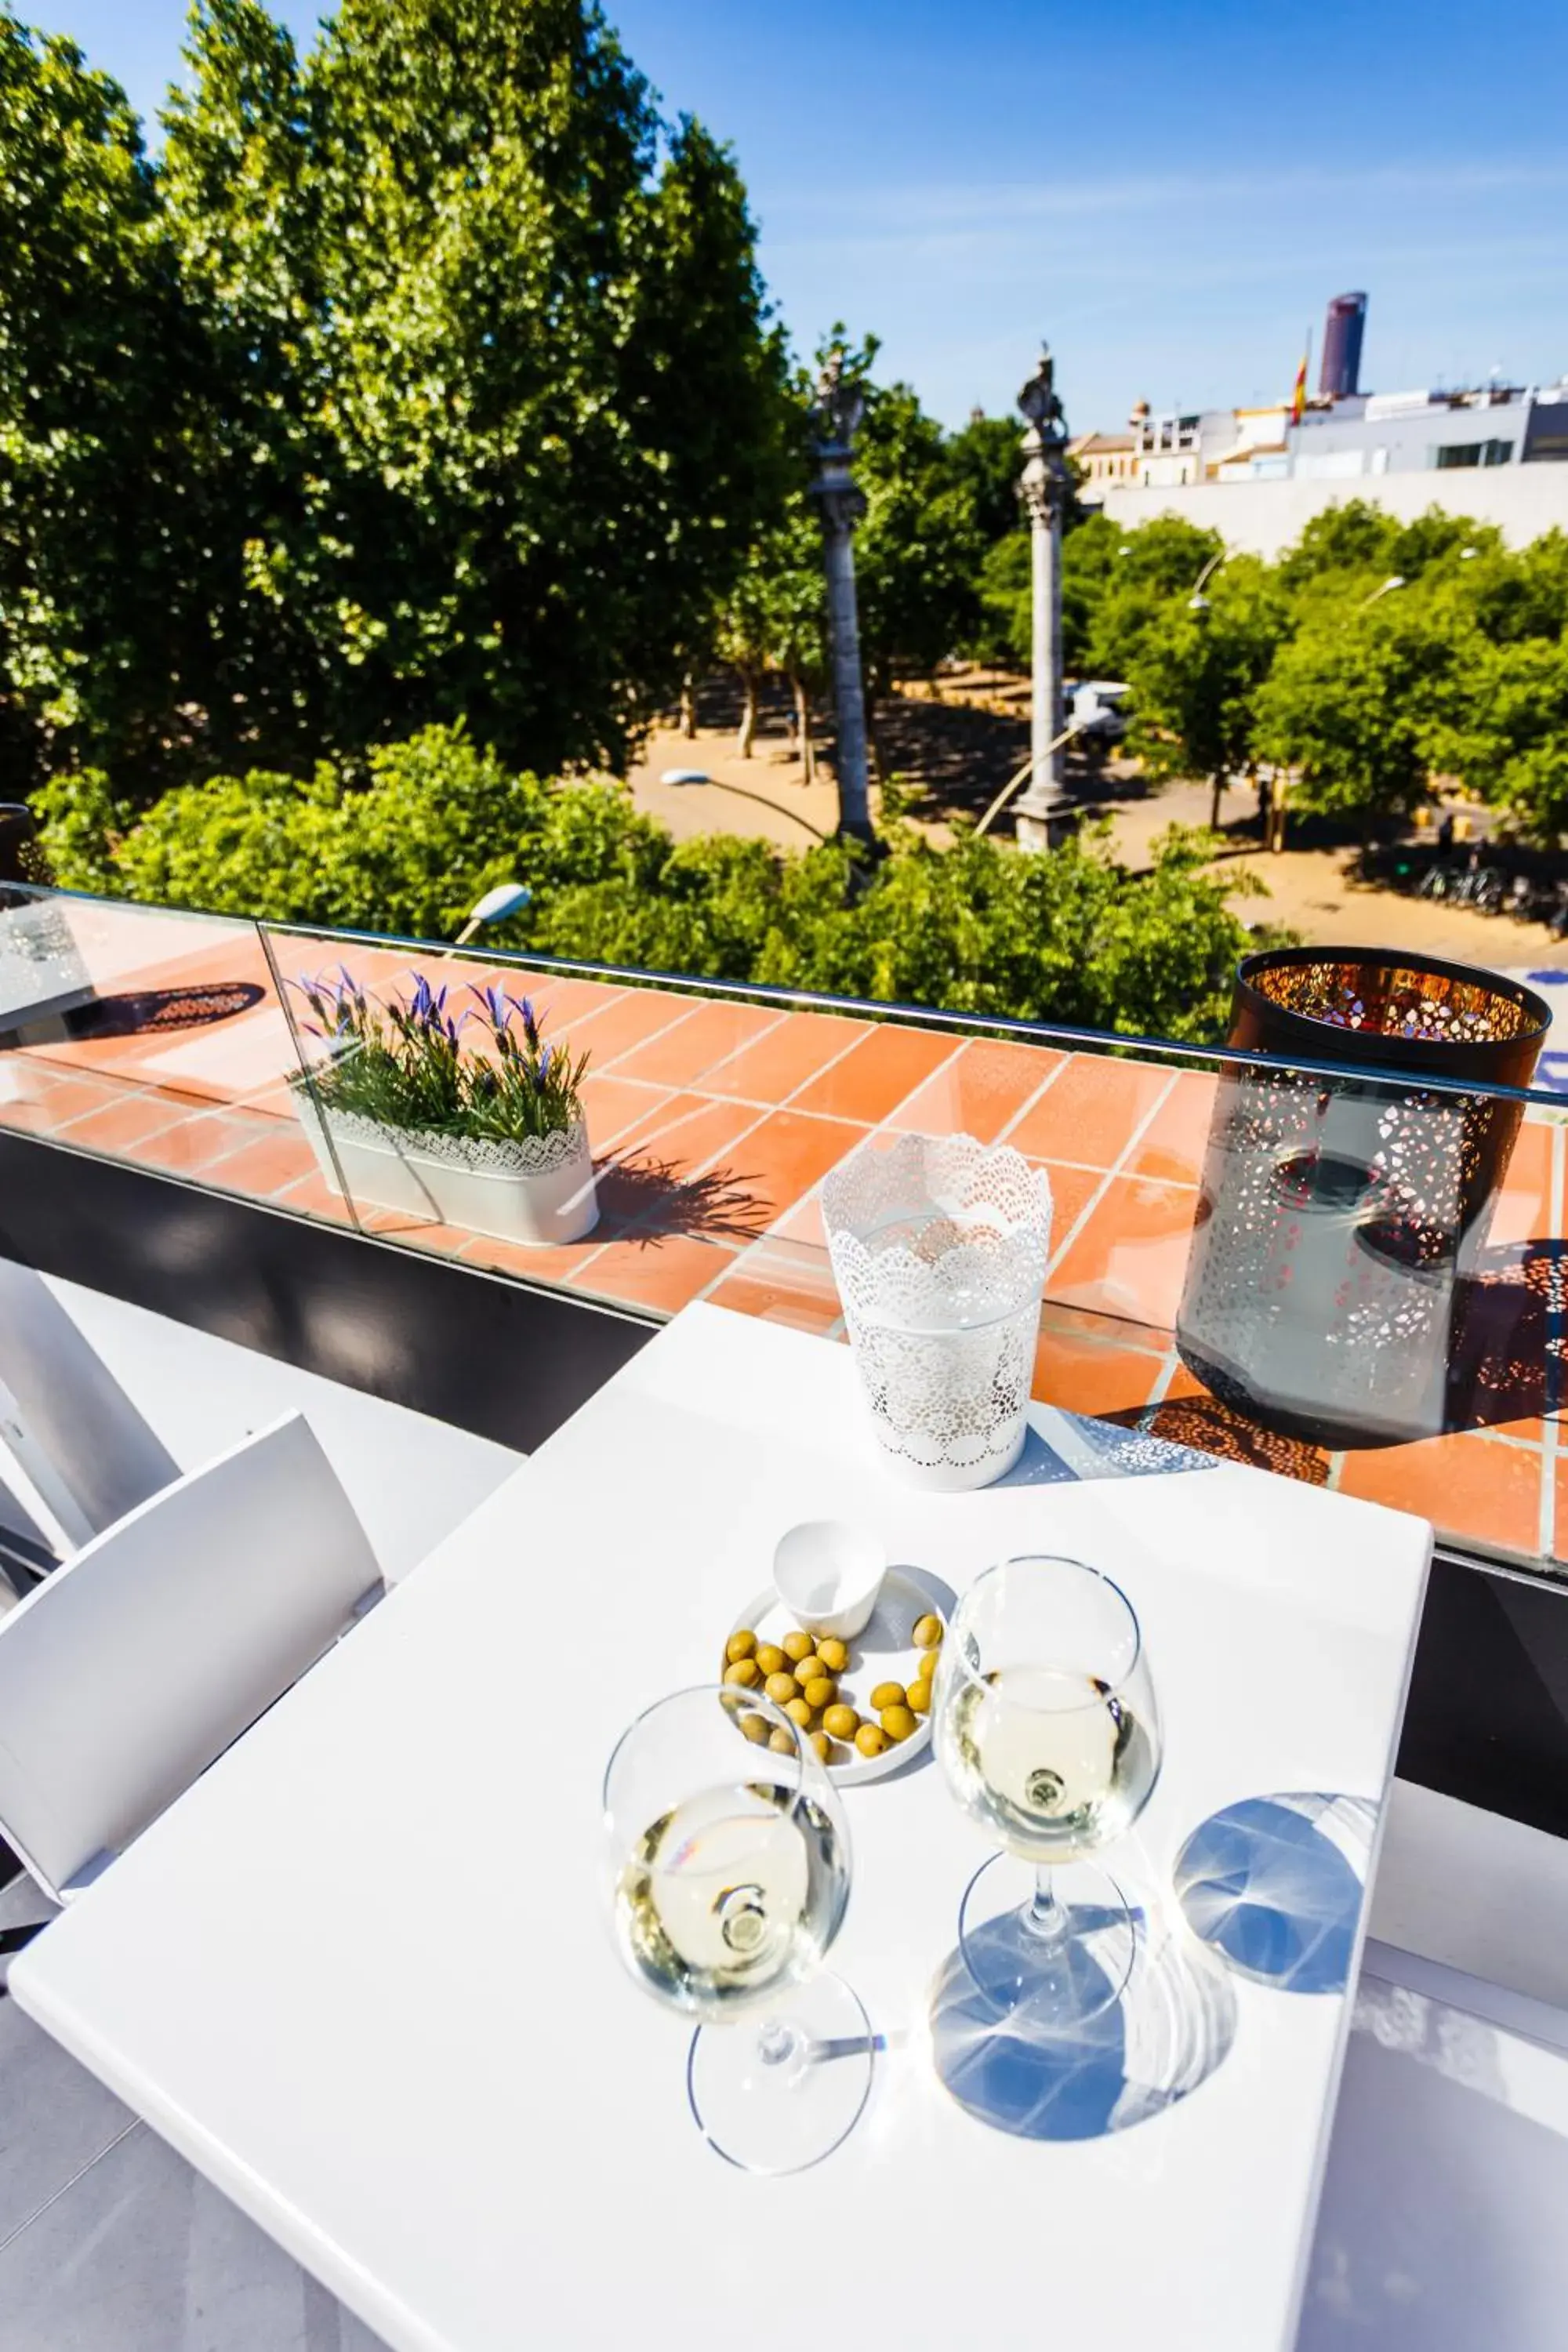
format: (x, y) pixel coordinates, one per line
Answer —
(688, 707)
(1276, 816)
(748, 733)
(1216, 793)
(803, 729)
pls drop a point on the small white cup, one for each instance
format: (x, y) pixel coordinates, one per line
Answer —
(828, 1575)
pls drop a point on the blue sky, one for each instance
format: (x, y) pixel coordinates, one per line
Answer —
(1170, 193)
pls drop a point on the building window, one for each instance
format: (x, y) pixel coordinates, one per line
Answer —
(1498, 453)
(1458, 453)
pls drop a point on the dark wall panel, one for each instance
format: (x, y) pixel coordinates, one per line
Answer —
(491, 1356)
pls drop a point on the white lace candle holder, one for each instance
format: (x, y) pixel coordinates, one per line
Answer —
(939, 1246)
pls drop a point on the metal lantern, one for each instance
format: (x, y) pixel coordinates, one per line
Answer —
(1337, 1215)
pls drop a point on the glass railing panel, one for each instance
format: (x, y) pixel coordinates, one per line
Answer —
(688, 1097)
(1267, 1261)
(152, 1036)
(1281, 1264)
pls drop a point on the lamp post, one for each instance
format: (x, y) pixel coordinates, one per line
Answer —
(1042, 486)
(836, 411)
(694, 776)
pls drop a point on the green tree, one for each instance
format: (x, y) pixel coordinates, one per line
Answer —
(1508, 739)
(430, 378)
(917, 549)
(103, 527)
(984, 460)
(1122, 582)
(1195, 678)
(1358, 699)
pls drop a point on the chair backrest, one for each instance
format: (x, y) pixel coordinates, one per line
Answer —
(143, 1658)
(65, 1421)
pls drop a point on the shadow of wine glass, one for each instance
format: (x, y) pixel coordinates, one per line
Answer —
(1172, 2027)
(1275, 1886)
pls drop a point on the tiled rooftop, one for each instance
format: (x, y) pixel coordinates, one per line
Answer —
(713, 1124)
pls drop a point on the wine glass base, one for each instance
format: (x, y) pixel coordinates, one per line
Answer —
(1046, 1979)
(779, 2093)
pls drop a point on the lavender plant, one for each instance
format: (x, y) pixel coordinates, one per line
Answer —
(405, 1062)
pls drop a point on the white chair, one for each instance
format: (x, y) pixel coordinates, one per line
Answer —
(137, 1662)
(67, 1426)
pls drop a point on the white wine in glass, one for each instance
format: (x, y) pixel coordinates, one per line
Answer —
(1045, 1725)
(1057, 1764)
(733, 1894)
(728, 1859)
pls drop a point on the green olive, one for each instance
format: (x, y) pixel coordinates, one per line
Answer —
(772, 1659)
(885, 1695)
(841, 1721)
(835, 1656)
(757, 1730)
(781, 1741)
(918, 1700)
(897, 1722)
(797, 1645)
(743, 1674)
(780, 1688)
(928, 1633)
(820, 1692)
(739, 1646)
(808, 1669)
(869, 1741)
(798, 1712)
(821, 1747)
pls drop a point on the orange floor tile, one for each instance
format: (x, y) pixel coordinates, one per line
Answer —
(874, 1078)
(788, 1153)
(1480, 1489)
(659, 1270)
(1176, 1139)
(778, 1064)
(1131, 1256)
(616, 1029)
(980, 1091)
(1091, 1111)
(1093, 1373)
(683, 1054)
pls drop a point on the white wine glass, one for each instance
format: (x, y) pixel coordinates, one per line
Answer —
(727, 1861)
(1045, 1725)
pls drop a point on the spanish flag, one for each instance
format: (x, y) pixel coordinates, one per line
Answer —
(1299, 397)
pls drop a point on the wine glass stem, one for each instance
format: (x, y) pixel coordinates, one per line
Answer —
(1047, 1920)
(778, 2042)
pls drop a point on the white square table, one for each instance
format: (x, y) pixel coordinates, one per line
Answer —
(449, 2101)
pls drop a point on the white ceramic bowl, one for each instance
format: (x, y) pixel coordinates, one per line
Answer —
(828, 1574)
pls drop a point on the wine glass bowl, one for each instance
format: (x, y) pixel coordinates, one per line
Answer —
(730, 1854)
(1046, 1728)
(726, 1869)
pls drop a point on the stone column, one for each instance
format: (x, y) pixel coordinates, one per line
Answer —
(835, 412)
(1042, 486)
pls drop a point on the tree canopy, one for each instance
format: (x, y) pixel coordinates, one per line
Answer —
(979, 927)
(458, 350)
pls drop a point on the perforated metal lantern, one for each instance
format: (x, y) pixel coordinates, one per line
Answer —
(1337, 1215)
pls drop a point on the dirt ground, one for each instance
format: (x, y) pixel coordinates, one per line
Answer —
(952, 755)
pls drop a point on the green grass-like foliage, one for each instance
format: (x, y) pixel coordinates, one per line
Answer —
(407, 1062)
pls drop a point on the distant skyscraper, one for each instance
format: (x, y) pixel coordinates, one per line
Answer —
(1340, 373)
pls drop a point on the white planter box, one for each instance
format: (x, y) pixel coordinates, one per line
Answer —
(536, 1193)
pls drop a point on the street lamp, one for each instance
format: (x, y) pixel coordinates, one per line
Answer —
(1197, 601)
(506, 899)
(1042, 486)
(700, 776)
(1396, 579)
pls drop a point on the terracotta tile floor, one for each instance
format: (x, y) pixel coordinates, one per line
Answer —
(713, 1125)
